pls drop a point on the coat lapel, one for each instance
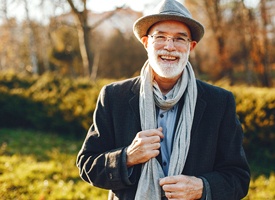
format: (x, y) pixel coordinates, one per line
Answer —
(199, 110)
(134, 100)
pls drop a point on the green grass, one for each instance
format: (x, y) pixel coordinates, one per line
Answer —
(35, 165)
(41, 166)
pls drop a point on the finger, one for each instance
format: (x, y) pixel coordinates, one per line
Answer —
(168, 180)
(153, 146)
(146, 141)
(153, 132)
(153, 154)
(152, 139)
(161, 129)
(172, 195)
(168, 195)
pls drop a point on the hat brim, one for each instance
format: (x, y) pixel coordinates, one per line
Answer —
(143, 24)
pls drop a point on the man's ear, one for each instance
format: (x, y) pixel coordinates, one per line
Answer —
(144, 41)
(193, 44)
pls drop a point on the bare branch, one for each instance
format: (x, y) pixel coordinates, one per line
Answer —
(107, 17)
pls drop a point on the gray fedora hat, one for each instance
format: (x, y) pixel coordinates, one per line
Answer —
(168, 10)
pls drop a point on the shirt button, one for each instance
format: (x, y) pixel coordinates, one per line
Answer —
(110, 175)
(164, 163)
(161, 115)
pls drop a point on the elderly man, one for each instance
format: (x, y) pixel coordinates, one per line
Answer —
(164, 134)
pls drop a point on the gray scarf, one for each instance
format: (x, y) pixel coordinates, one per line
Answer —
(148, 186)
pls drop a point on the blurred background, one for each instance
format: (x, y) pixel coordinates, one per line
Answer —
(55, 55)
(94, 38)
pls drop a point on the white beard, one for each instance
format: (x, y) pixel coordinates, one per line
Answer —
(167, 70)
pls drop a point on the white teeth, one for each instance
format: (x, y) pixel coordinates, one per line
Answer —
(168, 57)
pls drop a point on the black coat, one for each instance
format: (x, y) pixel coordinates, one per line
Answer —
(215, 152)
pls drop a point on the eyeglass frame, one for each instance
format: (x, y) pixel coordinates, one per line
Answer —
(173, 38)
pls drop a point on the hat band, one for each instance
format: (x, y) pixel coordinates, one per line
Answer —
(174, 13)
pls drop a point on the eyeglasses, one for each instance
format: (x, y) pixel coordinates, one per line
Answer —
(178, 40)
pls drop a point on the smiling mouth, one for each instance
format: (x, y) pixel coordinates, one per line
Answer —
(168, 58)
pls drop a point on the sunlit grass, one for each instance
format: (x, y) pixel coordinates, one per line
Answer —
(262, 188)
(41, 166)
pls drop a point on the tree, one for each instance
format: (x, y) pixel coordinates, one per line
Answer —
(246, 21)
(264, 73)
(241, 36)
(10, 57)
(83, 30)
(65, 55)
(32, 48)
(215, 13)
(121, 57)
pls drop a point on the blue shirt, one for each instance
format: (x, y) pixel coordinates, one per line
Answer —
(166, 119)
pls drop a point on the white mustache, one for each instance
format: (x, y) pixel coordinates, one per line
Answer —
(167, 53)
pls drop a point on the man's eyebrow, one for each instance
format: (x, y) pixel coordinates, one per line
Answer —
(183, 34)
(178, 34)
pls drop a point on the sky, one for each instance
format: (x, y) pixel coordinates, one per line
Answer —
(16, 8)
(41, 15)
(103, 5)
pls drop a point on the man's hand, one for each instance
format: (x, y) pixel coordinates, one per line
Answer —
(145, 146)
(182, 187)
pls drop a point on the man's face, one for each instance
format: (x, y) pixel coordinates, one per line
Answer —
(168, 46)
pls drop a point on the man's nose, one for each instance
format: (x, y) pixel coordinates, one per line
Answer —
(169, 44)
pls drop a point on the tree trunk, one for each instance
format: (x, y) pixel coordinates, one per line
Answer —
(245, 23)
(265, 78)
(95, 65)
(214, 13)
(83, 31)
(32, 48)
(84, 50)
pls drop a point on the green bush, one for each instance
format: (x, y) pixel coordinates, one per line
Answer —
(54, 103)
(256, 110)
(49, 102)
(59, 104)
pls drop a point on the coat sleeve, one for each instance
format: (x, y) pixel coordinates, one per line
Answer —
(100, 162)
(231, 175)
